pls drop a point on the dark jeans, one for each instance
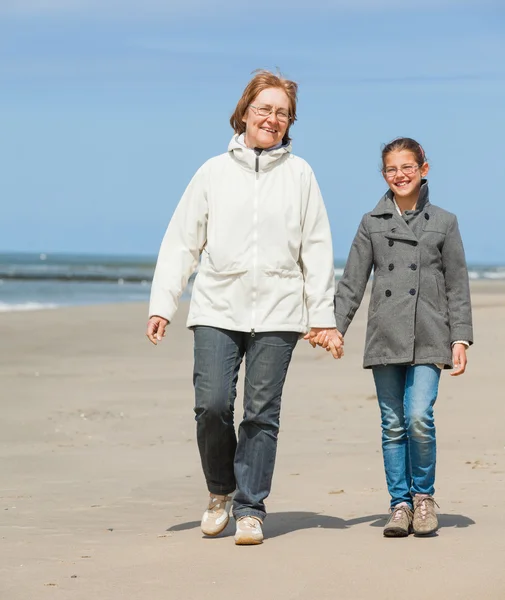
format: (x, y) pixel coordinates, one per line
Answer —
(246, 465)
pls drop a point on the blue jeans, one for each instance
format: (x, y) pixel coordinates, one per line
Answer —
(407, 395)
(246, 464)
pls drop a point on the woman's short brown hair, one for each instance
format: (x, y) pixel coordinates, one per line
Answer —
(261, 81)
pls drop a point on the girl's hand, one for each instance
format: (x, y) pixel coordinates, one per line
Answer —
(335, 346)
(459, 359)
(156, 329)
(330, 339)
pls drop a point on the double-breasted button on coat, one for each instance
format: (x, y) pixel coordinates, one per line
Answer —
(420, 299)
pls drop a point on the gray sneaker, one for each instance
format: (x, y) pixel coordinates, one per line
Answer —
(216, 517)
(400, 521)
(425, 520)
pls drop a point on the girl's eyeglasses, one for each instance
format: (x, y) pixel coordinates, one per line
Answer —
(391, 172)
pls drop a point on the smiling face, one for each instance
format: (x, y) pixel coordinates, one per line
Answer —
(403, 174)
(265, 132)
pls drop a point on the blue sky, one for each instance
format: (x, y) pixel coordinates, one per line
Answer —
(107, 108)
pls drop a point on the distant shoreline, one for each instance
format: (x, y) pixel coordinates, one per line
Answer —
(478, 289)
(31, 281)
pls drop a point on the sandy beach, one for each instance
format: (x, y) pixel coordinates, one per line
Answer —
(101, 490)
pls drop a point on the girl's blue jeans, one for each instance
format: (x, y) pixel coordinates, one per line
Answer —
(407, 394)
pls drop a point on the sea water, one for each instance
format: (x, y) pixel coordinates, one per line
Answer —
(37, 281)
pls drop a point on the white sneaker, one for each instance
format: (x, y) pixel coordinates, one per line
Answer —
(217, 515)
(248, 531)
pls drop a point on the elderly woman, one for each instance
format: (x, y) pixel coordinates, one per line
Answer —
(256, 218)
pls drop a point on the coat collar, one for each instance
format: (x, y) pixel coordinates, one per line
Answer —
(396, 227)
(386, 205)
(246, 157)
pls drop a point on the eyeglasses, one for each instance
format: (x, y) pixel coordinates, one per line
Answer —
(391, 172)
(265, 111)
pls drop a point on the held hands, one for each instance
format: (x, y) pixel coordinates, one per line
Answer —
(459, 359)
(156, 329)
(330, 339)
(333, 341)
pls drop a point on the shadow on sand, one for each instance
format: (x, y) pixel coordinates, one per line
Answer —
(281, 523)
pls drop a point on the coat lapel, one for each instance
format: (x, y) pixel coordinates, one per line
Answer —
(395, 226)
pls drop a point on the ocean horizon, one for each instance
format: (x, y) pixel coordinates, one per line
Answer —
(36, 281)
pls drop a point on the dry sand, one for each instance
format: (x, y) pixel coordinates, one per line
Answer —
(101, 489)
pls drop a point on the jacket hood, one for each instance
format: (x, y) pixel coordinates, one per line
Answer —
(267, 159)
(386, 205)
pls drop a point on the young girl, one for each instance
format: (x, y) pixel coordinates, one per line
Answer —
(419, 322)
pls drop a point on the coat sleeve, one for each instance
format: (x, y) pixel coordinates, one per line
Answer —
(316, 258)
(352, 284)
(457, 285)
(180, 249)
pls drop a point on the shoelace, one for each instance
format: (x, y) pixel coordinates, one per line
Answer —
(423, 505)
(217, 503)
(398, 511)
(249, 523)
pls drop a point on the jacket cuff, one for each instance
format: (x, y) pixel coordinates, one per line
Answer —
(462, 332)
(156, 310)
(320, 314)
(464, 342)
(342, 322)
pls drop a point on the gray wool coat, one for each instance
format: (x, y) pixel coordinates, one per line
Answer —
(420, 301)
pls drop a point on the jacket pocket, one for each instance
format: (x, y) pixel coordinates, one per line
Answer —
(226, 267)
(442, 296)
(209, 272)
(375, 295)
(283, 273)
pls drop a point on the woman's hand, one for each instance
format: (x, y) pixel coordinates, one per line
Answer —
(459, 359)
(156, 329)
(330, 339)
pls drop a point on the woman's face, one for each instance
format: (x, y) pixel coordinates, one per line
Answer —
(265, 132)
(403, 174)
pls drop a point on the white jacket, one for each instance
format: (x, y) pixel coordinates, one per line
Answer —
(261, 228)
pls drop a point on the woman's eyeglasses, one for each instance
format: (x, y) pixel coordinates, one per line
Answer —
(265, 111)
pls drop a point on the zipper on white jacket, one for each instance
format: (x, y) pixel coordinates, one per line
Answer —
(255, 245)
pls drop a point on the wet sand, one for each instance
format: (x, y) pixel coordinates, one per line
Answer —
(101, 490)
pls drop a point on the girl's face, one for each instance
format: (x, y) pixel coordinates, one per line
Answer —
(403, 174)
(267, 131)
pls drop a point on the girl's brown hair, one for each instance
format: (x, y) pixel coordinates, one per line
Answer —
(261, 81)
(404, 143)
